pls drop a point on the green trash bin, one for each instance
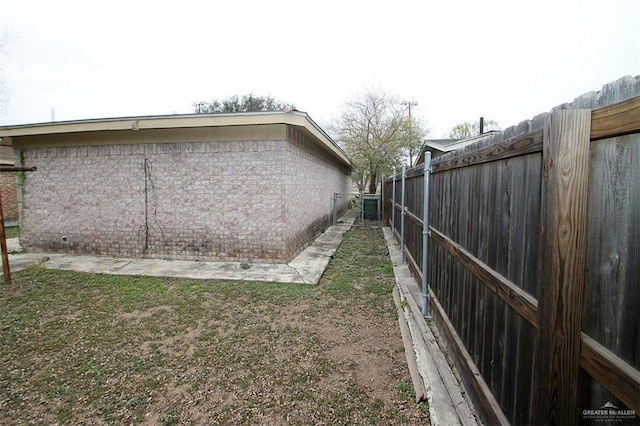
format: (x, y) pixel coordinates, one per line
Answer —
(370, 206)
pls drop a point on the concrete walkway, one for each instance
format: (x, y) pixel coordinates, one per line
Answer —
(306, 268)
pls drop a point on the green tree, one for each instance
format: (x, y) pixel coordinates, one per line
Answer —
(374, 131)
(467, 129)
(248, 103)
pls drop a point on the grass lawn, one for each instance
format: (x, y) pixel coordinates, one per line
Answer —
(83, 348)
(12, 231)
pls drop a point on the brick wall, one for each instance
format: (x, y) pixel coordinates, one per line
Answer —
(311, 182)
(227, 201)
(8, 186)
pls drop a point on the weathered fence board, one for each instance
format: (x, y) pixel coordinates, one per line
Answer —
(475, 199)
(613, 264)
(615, 120)
(516, 147)
(480, 387)
(533, 259)
(563, 253)
(616, 375)
(611, 320)
(523, 303)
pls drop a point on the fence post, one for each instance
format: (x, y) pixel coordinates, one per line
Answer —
(403, 213)
(563, 224)
(425, 236)
(393, 204)
(381, 200)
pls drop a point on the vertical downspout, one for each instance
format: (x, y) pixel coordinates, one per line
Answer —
(146, 206)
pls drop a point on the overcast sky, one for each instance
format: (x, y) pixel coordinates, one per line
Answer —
(459, 60)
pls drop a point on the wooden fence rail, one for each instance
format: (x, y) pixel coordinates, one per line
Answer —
(533, 263)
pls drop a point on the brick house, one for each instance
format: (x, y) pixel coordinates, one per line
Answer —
(8, 184)
(217, 187)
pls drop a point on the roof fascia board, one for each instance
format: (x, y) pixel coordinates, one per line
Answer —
(303, 120)
(137, 123)
(293, 118)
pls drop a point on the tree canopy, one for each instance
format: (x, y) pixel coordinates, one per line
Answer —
(467, 129)
(375, 131)
(247, 103)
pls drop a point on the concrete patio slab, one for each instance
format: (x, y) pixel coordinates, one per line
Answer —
(306, 268)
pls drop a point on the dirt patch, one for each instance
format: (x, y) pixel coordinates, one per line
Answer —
(179, 345)
(137, 315)
(363, 346)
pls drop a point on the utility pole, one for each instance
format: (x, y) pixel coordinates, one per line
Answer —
(409, 104)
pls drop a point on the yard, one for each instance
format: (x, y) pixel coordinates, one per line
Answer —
(80, 348)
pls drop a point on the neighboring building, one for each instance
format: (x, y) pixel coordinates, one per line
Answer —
(8, 185)
(437, 147)
(217, 187)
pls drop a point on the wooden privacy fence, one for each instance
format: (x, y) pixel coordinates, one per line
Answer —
(534, 263)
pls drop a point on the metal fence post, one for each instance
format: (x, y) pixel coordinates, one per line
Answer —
(381, 205)
(403, 213)
(425, 236)
(393, 204)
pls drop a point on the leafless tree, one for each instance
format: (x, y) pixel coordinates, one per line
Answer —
(414, 133)
(374, 131)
